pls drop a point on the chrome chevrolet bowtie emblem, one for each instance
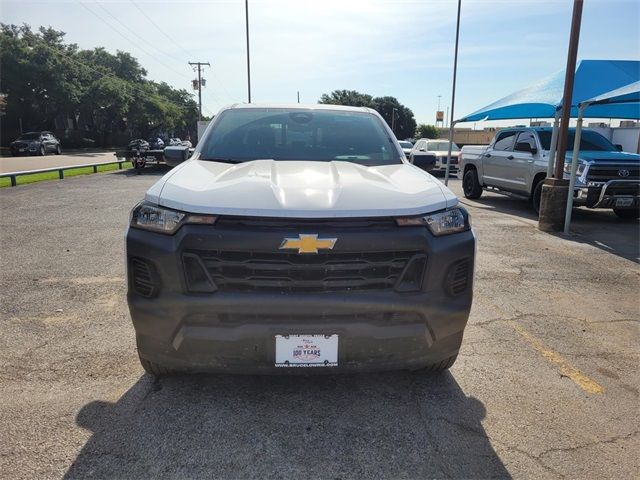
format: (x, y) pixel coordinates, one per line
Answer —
(308, 243)
(623, 172)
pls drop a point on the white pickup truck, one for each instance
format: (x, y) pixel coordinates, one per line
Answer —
(516, 163)
(298, 237)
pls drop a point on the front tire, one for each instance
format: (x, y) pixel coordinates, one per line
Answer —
(42, 151)
(470, 185)
(537, 195)
(58, 150)
(627, 213)
(155, 369)
(439, 367)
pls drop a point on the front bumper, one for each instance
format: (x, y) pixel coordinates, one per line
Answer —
(610, 194)
(234, 331)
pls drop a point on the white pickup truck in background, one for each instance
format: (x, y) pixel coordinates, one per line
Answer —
(516, 163)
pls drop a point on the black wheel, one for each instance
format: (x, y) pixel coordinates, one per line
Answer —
(536, 196)
(439, 367)
(627, 213)
(154, 368)
(58, 150)
(42, 150)
(470, 184)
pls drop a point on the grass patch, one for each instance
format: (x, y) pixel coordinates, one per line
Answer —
(43, 177)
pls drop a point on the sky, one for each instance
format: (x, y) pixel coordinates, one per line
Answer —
(401, 48)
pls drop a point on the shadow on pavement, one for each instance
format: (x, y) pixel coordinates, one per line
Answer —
(384, 425)
(151, 170)
(599, 228)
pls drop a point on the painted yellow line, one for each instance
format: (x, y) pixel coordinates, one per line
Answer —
(566, 368)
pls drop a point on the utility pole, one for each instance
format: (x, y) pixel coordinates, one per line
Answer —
(555, 191)
(246, 12)
(199, 65)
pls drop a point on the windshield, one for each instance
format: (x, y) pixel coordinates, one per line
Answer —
(406, 144)
(245, 134)
(441, 147)
(589, 140)
(29, 136)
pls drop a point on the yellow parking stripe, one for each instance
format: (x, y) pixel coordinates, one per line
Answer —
(566, 368)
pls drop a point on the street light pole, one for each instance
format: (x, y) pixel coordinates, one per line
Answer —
(453, 96)
(246, 12)
(393, 120)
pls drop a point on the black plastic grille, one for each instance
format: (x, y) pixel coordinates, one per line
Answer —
(298, 223)
(380, 318)
(459, 277)
(603, 173)
(276, 271)
(142, 278)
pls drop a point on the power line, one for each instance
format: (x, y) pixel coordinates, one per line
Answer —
(132, 31)
(128, 39)
(171, 39)
(158, 27)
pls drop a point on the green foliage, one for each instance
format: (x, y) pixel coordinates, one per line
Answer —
(45, 79)
(405, 124)
(427, 131)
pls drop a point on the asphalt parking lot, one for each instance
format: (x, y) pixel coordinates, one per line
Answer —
(24, 163)
(546, 385)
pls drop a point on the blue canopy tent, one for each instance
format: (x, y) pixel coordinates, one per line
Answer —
(625, 99)
(544, 98)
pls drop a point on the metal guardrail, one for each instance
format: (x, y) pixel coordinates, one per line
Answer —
(14, 175)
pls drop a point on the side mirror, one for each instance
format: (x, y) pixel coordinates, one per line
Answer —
(174, 156)
(525, 147)
(618, 147)
(422, 149)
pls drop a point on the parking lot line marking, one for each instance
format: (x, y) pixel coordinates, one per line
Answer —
(566, 368)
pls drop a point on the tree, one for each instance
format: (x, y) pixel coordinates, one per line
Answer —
(347, 97)
(404, 125)
(427, 131)
(387, 107)
(47, 82)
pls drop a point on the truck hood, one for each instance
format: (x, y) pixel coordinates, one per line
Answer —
(300, 189)
(613, 157)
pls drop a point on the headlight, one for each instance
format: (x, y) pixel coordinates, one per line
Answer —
(164, 220)
(444, 222)
(579, 170)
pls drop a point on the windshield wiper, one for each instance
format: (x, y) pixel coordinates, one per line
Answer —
(222, 160)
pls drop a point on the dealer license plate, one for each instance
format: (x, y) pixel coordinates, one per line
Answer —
(314, 350)
(624, 202)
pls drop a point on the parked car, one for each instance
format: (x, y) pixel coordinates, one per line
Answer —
(431, 155)
(440, 149)
(187, 143)
(325, 248)
(406, 147)
(138, 144)
(156, 143)
(174, 142)
(35, 143)
(517, 158)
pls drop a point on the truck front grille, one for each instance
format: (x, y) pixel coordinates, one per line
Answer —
(324, 272)
(604, 173)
